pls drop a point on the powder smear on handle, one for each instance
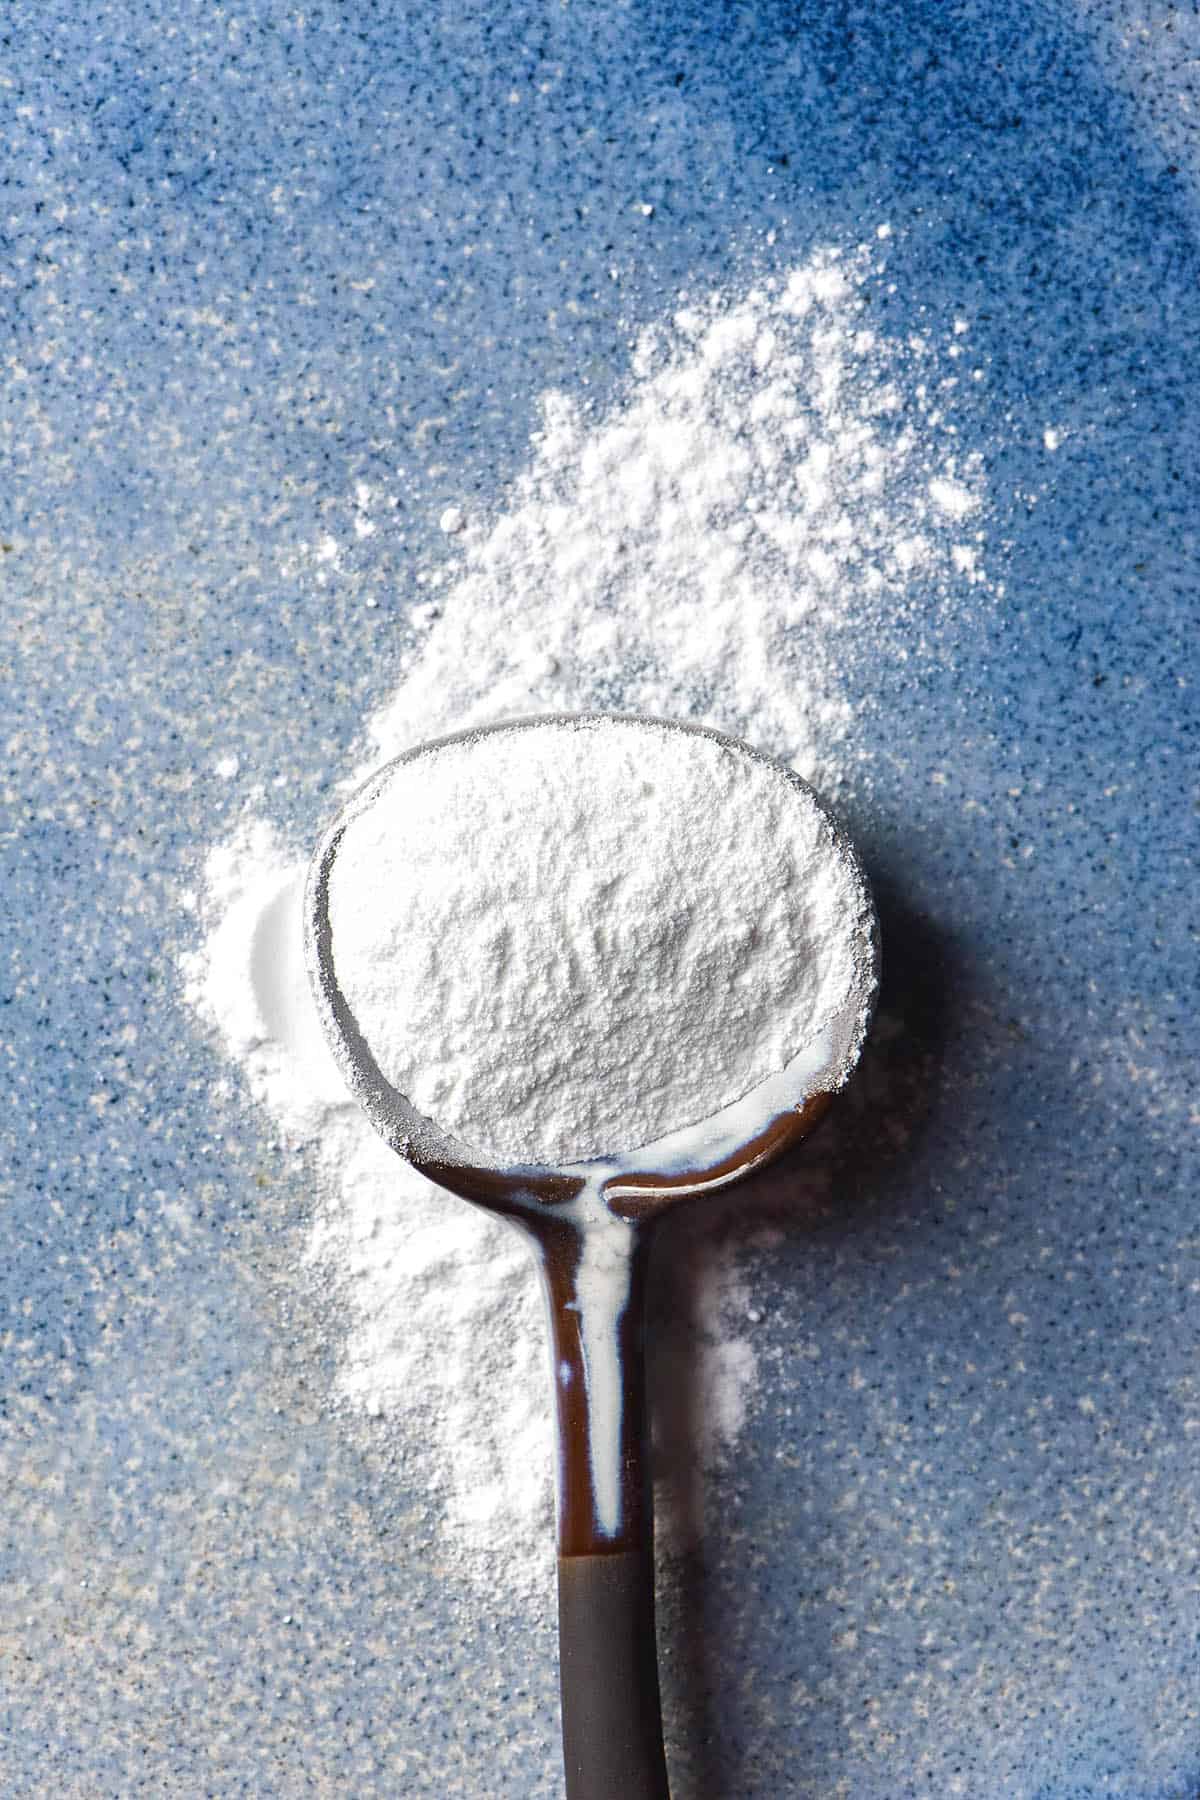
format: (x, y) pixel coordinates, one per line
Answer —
(777, 495)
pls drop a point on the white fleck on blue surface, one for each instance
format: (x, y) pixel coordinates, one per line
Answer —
(254, 258)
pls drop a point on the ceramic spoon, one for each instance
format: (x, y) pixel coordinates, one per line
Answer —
(590, 1225)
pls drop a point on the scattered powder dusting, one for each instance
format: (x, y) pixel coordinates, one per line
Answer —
(710, 549)
(567, 942)
(771, 491)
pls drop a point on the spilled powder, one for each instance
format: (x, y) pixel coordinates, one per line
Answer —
(777, 487)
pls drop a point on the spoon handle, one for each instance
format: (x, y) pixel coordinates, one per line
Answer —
(595, 1284)
(608, 1671)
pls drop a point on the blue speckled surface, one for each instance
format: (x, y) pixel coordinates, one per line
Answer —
(253, 255)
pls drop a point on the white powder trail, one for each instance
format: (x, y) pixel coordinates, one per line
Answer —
(774, 490)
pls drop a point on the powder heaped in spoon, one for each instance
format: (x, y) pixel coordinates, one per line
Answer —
(568, 939)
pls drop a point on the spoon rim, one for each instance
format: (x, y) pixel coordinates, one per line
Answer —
(632, 1188)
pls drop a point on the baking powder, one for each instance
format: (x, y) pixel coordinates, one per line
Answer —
(756, 513)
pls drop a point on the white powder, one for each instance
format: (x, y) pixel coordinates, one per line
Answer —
(561, 942)
(719, 546)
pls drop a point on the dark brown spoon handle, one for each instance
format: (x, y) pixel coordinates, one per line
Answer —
(608, 1669)
(608, 1659)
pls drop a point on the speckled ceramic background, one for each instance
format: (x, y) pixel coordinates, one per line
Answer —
(251, 255)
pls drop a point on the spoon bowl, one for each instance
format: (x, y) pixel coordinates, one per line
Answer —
(590, 1225)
